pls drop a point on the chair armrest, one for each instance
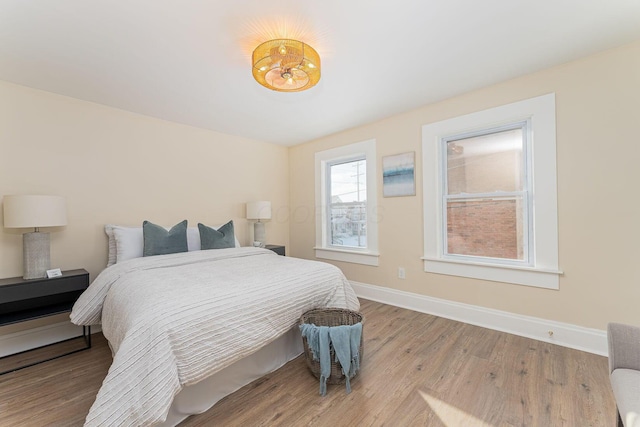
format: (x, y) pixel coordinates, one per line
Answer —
(624, 346)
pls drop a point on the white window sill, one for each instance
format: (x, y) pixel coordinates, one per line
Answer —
(355, 257)
(527, 276)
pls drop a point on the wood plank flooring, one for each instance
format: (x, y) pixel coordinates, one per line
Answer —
(417, 370)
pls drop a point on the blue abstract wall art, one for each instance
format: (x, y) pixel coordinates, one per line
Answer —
(398, 175)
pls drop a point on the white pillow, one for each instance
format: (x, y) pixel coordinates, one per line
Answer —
(193, 239)
(112, 244)
(128, 242)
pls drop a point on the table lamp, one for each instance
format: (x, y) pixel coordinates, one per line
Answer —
(258, 211)
(28, 211)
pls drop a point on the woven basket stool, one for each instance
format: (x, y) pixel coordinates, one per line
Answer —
(330, 317)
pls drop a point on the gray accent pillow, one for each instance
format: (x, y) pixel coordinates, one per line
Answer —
(159, 241)
(223, 237)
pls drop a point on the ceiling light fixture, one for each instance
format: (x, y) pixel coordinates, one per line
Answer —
(286, 65)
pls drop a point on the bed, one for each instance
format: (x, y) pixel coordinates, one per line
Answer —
(187, 329)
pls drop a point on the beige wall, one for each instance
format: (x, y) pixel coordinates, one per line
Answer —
(598, 116)
(118, 167)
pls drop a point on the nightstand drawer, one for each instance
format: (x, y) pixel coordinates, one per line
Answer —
(70, 281)
(30, 299)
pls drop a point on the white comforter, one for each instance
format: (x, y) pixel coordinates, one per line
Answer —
(173, 320)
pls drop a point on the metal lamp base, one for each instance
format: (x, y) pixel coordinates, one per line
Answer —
(36, 254)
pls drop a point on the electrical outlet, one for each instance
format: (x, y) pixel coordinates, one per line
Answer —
(401, 273)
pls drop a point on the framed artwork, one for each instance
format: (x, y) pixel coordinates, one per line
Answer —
(398, 175)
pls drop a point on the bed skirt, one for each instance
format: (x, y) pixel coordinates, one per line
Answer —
(200, 397)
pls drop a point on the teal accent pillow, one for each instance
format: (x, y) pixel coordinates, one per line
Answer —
(159, 241)
(223, 237)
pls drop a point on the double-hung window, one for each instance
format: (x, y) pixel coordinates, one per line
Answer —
(346, 226)
(483, 218)
(486, 193)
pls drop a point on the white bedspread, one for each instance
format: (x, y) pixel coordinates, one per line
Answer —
(173, 320)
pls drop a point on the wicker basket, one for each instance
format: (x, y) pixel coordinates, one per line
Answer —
(330, 317)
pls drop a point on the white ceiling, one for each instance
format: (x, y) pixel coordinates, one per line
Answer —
(189, 61)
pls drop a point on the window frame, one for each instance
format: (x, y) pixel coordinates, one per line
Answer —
(323, 160)
(543, 269)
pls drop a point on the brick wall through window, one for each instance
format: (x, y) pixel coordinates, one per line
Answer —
(487, 228)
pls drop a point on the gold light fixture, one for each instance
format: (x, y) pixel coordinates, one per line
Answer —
(286, 65)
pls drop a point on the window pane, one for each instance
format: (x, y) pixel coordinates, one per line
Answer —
(486, 227)
(348, 182)
(347, 211)
(349, 225)
(485, 164)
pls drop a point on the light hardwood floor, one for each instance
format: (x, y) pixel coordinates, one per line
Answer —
(417, 370)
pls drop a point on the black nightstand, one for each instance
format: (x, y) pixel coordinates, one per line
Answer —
(22, 300)
(279, 249)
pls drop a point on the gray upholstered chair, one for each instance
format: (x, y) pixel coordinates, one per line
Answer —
(624, 371)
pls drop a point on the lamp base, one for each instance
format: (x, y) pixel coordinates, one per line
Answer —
(259, 234)
(36, 255)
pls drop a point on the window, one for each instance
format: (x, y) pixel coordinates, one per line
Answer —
(482, 219)
(486, 195)
(346, 229)
(347, 202)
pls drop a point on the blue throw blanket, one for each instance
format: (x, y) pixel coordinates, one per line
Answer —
(346, 345)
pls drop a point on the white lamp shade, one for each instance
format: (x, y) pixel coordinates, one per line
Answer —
(27, 211)
(259, 210)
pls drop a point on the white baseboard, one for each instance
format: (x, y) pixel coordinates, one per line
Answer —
(564, 334)
(36, 337)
